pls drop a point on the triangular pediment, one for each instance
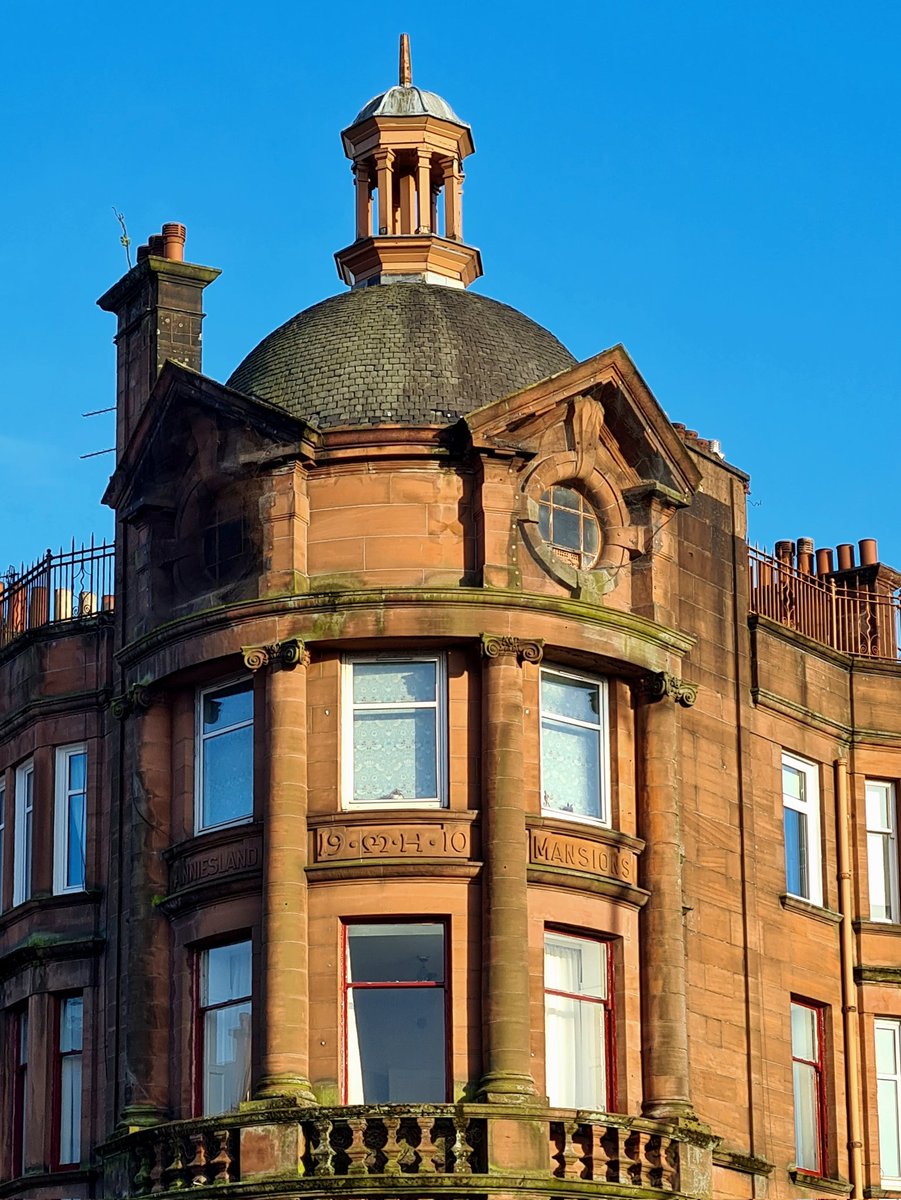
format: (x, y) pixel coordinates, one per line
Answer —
(629, 428)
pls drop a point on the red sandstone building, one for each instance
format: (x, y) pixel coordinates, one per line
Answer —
(430, 794)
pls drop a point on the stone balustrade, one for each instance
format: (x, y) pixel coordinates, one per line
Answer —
(421, 1150)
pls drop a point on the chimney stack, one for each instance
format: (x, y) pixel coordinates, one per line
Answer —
(159, 305)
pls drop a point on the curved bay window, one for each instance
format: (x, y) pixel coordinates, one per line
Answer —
(568, 525)
(395, 1014)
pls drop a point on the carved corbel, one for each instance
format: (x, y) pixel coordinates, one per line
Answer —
(586, 417)
(135, 699)
(660, 685)
(288, 654)
(494, 646)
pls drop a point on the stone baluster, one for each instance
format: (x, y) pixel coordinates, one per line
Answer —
(357, 1151)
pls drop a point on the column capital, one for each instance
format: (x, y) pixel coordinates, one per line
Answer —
(496, 645)
(383, 155)
(136, 699)
(288, 654)
(659, 685)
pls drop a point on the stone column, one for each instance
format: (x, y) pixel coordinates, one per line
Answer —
(284, 1028)
(384, 160)
(364, 200)
(145, 985)
(424, 191)
(506, 1039)
(664, 1016)
(453, 209)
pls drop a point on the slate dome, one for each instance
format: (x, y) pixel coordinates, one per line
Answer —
(408, 353)
(407, 101)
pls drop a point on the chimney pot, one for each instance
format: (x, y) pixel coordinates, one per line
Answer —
(824, 562)
(155, 245)
(869, 552)
(785, 551)
(173, 237)
(845, 556)
(805, 555)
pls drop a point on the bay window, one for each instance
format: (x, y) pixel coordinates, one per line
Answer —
(68, 1081)
(395, 1014)
(578, 1022)
(574, 746)
(801, 827)
(23, 832)
(222, 1029)
(69, 826)
(224, 755)
(808, 1082)
(882, 851)
(888, 1100)
(394, 734)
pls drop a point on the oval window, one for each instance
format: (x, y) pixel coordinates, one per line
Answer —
(568, 525)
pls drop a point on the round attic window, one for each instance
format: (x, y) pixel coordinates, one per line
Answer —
(568, 525)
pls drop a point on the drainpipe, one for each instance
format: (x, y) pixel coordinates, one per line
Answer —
(850, 1023)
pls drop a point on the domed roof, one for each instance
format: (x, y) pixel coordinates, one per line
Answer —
(407, 101)
(407, 353)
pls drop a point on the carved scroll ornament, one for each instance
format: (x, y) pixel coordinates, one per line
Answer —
(288, 654)
(494, 646)
(659, 685)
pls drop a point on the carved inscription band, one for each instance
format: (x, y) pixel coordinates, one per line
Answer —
(290, 653)
(493, 646)
(340, 842)
(660, 685)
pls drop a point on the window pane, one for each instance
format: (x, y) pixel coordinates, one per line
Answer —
(886, 1051)
(566, 498)
(889, 1150)
(570, 769)
(793, 782)
(879, 808)
(396, 755)
(804, 1032)
(577, 699)
(796, 873)
(396, 1045)
(71, 1024)
(544, 522)
(575, 1053)
(566, 529)
(805, 1092)
(75, 869)
(880, 847)
(575, 965)
(395, 683)
(70, 1110)
(391, 953)
(228, 776)
(226, 1058)
(77, 771)
(228, 706)
(227, 973)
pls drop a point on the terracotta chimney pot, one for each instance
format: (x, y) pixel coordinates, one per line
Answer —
(845, 556)
(174, 241)
(805, 555)
(869, 552)
(785, 551)
(824, 562)
(155, 245)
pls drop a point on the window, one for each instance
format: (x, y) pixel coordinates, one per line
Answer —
(801, 820)
(882, 851)
(394, 733)
(574, 746)
(395, 1014)
(224, 763)
(808, 1086)
(223, 1028)
(19, 1122)
(69, 827)
(578, 1022)
(24, 819)
(67, 1126)
(888, 1100)
(570, 528)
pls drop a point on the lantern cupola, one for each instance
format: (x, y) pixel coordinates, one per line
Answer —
(407, 146)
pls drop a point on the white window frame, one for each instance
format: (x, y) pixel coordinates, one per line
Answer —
(809, 808)
(24, 832)
(61, 818)
(603, 726)
(200, 826)
(876, 837)
(892, 1026)
(348, 712)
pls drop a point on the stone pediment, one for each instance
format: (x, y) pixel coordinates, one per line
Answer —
(608, 417)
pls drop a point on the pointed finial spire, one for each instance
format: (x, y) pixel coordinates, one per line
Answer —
(405, 71)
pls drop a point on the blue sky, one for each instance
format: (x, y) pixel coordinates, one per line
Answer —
(714, 184)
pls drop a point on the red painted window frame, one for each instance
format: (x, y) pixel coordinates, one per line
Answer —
(444, 985)
(56, 1093)
(198, 1010)
(609, 1004)
(18, 1017)
(819, 1065)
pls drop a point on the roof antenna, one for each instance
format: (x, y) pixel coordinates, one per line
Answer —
(405, 69)
(124, 239)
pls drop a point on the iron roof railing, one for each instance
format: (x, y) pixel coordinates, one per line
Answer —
(67, 586)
